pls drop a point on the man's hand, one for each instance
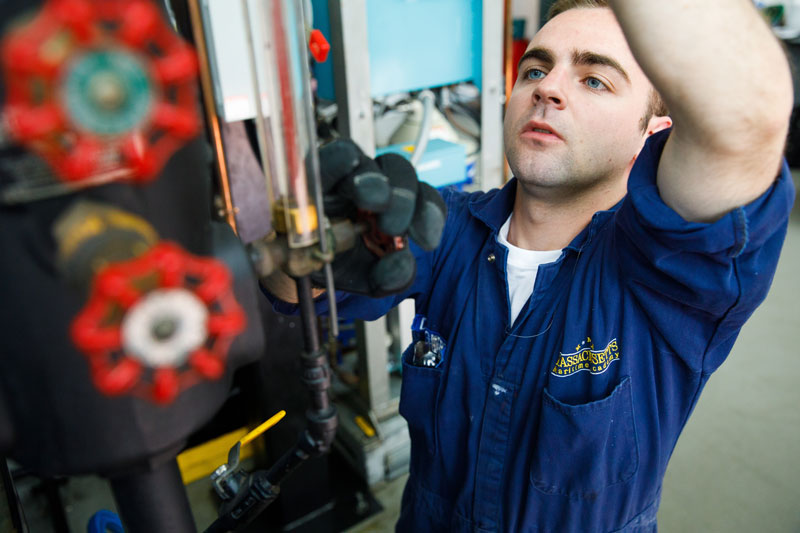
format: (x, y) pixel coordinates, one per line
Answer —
(384, 198)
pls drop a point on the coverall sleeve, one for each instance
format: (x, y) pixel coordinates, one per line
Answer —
(698, 282)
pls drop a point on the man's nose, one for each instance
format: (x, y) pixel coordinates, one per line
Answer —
(550, 90)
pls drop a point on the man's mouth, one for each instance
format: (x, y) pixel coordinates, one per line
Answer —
(539, 130)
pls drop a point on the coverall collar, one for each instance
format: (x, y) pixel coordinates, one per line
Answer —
(494, 209)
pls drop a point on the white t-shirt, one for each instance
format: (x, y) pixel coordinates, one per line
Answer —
(521, 269)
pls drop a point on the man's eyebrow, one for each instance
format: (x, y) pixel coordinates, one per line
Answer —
(592, 58)
(542, 54)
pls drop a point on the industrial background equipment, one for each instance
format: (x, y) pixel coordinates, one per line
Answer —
(156, 158)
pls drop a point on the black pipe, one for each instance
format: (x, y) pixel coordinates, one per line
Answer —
(309, 318)
(321, 416)
(153, 501)
(317, 379)
(290, 460)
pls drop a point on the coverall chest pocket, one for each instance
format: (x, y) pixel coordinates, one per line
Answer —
(419, 396)
(583, 449)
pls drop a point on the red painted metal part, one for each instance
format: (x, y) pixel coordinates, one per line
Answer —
(319, 46)
(36, 55)
(96, 330)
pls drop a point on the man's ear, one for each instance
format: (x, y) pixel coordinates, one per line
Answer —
(657, 124)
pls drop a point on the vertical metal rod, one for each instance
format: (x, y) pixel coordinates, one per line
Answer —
(333, 314)
(211, 112)
(316, 180)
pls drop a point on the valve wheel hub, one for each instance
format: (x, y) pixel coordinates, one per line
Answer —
(165, 327)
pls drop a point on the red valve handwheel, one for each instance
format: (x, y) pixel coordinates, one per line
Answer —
(158, 324)
(97, 85)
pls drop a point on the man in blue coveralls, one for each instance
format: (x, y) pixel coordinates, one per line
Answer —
(568, 322)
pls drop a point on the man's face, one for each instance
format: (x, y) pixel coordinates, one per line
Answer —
(573, 119)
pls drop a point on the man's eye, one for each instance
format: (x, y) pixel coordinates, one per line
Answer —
(594, 83)
(534, 74)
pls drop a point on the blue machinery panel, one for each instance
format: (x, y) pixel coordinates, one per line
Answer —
(413, 44)
(443, 163)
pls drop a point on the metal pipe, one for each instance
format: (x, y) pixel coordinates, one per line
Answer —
(211, 113)
(322, 419)
(312, 163)
(308, 317)
(153, 501)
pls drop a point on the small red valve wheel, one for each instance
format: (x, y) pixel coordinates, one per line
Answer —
(158, 324)
(100, 85)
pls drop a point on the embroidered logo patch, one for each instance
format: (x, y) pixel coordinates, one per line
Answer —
(585, 357)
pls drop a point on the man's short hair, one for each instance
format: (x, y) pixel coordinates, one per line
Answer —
(559, 6)
(655, 104)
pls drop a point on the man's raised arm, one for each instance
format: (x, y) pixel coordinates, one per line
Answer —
(728, 87)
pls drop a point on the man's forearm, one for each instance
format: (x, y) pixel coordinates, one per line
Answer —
(715, 62)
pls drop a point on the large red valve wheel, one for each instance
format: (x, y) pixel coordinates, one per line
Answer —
(158, 324)
(98, 85)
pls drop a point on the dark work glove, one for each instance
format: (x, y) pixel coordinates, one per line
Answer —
(385, 196)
